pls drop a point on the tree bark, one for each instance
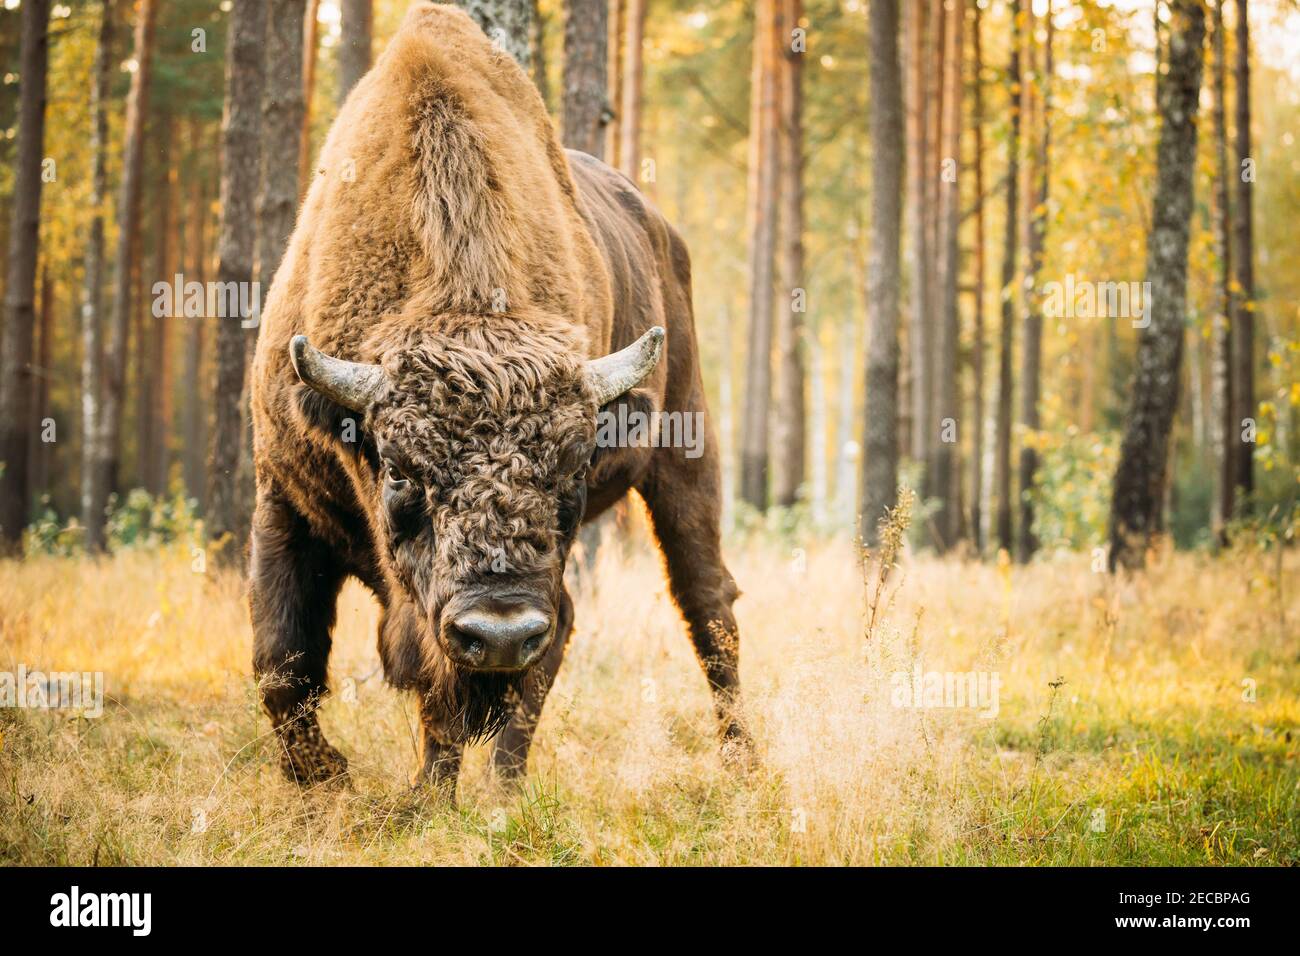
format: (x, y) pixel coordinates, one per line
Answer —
(109, 454)
(977, 345)
(943, 471)
(789, 432)
(614, 77)
(1010, 245)
(1224, 438)
(277, 202)
(919, 340)
(38, 462)
(20, 283)
(508, 24)
(852, 340)
(283, 109)
(192, 429)
(1144, 454)
(629, 137)
(160, 370)
(239, 183)
(1243, 258)
(355, 28)
(935, 93)
(880, 428)
(585, 111)
(1031, 356)
(94, 493)
(762, 242)
(142, 342)
(537, 54)
(310, 42)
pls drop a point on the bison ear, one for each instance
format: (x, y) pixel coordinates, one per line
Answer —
(612, 375)
(354, 385)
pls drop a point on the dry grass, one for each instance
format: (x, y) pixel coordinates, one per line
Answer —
(1149, 726)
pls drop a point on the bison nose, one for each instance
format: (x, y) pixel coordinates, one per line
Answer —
(485, 640)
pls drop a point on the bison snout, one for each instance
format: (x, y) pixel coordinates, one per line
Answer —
(499, 640)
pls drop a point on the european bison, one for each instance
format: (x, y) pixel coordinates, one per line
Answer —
(477, 295)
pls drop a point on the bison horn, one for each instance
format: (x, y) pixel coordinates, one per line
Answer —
(612, 375)
(353, 385)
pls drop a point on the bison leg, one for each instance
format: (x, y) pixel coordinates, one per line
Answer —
(510, 750)
(293, 584)
(684, 496)
(441, 767)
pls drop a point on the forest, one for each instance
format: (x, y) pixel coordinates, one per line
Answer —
(998, 320)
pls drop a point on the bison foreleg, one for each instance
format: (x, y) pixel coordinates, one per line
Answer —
(441, 767)
(293, 584)
(685, 502)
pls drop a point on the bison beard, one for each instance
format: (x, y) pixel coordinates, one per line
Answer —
(476, 706)
(474, 294)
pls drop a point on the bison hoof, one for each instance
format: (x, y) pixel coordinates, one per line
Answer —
(307, 758)
(738, 752)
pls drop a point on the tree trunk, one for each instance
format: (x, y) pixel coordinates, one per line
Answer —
(943, 471)
(1223, 440)
(38, 462)
(356, 25)
(1002, 448)
(819, 476)
(277, 203)
(20, 284)
(109, 450)
(789, 431)
(1243, 259)
(508, 24)
(160, 372)
(935, 92)
(283, 110)
(919, 341)
(239, 181)
(310, 42)
(614, 77)
(762, 241)
(880, 429)
(1031, 356)
(1143, 465)
(586, 89)
(629, 137)
(852, 344)
(537, 54)
(142, 322)
(192, 429)
(94, 493)
(977, 345)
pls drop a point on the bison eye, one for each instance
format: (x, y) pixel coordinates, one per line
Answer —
(394, 474)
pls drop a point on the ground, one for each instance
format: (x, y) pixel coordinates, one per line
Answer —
(1144, 721)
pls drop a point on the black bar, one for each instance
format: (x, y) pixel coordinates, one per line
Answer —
(259, 906)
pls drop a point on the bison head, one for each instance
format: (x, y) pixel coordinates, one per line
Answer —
(475, 448)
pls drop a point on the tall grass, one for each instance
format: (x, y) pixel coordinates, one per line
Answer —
(1125, 732)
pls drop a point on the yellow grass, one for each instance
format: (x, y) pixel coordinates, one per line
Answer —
(1147, 753)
